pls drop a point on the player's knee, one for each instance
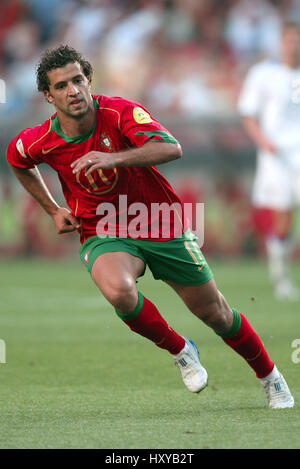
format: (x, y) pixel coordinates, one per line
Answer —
(122, 295)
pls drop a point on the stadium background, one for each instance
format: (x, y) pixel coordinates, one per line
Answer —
(183, 59)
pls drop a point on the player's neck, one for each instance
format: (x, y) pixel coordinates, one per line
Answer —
(290, 61)
(73, 127)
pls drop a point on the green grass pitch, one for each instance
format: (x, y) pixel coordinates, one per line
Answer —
(76, 377)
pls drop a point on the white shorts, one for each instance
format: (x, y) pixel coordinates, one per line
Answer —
(277, 181)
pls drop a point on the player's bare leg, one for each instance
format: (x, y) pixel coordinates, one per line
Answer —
(279, 247)
(115, 274)
(209, 305)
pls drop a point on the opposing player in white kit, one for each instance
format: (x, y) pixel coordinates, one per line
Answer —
(270, 107)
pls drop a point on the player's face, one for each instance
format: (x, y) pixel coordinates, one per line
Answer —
(69, 90)
(291, 42)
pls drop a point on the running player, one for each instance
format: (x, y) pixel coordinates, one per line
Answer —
(105, 151)
(270, 106)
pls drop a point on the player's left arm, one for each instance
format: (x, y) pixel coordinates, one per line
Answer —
(151, 143)
(151, 153)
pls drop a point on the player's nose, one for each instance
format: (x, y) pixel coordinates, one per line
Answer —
(72, 90)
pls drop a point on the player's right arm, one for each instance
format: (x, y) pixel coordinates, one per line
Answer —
(29, 176)
(33, 182)
(250, 104)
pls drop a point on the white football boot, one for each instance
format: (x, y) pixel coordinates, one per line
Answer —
(193, 374)
(277, 391)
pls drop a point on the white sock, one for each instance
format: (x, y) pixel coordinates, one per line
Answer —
(279, 253)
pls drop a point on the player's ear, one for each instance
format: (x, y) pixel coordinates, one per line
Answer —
(48, 96)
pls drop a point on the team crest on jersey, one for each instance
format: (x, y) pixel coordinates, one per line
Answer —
(140, 116)
(105, 142)
(20, 148)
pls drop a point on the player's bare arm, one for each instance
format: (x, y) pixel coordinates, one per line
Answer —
(254, 131)
(33, 182)
(150, 154)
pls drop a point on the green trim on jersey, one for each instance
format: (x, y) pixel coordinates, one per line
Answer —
(55, 126)
(153, 133)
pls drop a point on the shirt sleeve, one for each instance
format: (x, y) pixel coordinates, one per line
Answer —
(139, 126)
(251, 99)
(17, 154)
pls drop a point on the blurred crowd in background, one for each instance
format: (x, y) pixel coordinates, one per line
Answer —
(174, 55)
(183, 59)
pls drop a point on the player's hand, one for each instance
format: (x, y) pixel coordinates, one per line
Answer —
(64, 221)
(94, 160)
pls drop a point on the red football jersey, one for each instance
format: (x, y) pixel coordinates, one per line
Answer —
(110, 200)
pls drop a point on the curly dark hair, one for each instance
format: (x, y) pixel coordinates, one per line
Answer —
(57, 58)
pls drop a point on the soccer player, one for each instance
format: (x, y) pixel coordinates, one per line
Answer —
(270, 107)
(105, 151)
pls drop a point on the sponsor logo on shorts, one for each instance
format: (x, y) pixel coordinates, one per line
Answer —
(86, 257)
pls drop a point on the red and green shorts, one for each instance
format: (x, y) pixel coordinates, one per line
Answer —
(179, 260)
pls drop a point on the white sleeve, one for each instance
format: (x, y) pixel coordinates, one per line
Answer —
(251, 98)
